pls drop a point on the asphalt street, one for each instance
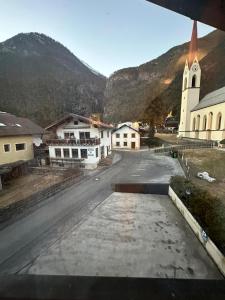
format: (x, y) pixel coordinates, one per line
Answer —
(22, 241)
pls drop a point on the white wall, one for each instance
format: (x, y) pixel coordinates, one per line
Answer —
(129, 139)
(105, 141)
(91, 152)
(76, 129)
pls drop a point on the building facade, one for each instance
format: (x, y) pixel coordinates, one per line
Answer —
(79, 140)
(200, 119)
(126, 137)
(17, 136)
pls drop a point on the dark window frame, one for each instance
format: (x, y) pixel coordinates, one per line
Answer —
(18, 146)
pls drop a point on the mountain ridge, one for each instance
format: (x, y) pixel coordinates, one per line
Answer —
(158, 82)
(38, 73)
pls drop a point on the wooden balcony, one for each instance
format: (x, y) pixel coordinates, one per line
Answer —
(73, 142)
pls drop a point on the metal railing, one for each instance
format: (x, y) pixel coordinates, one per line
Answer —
(73, 142)
(194, 145)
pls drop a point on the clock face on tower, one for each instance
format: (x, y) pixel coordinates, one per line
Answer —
(195, 68)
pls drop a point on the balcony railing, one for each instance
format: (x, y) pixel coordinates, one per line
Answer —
(73, 142)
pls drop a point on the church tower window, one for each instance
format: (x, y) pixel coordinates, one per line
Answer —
(193, 83)
(185, 83)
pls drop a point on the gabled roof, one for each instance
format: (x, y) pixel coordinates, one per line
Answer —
(11, 125)
(117, 129)
(213, 98)
(86, 120)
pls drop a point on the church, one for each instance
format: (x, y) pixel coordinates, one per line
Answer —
(200, 119)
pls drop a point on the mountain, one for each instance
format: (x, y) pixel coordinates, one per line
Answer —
(41, 79)
(153, 89)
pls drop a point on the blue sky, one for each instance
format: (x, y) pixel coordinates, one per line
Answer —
(106, 34)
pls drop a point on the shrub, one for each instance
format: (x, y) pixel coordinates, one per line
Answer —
(222, 142)
(208, 210)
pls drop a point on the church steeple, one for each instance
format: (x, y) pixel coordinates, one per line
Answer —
(193, 48)
(191, 85)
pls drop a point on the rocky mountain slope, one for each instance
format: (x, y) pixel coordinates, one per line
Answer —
(154, 88)
(41, 79)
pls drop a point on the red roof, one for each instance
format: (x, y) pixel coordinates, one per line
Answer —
(193, 49)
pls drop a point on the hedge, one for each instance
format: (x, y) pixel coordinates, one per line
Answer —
(209, 211)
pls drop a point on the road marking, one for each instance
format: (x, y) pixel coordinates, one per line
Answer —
(141, 169)
(135, 175)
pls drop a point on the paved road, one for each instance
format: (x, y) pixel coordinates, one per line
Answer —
(22, 241)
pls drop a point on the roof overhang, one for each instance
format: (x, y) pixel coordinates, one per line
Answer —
(210, 12)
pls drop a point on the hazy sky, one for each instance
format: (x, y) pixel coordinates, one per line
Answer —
(106, 34)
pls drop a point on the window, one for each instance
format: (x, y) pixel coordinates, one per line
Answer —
(193, 84)
(193, 125)
(74, 153)
(107, 133)
(84, 135)
(102, 134)
(219, 119)
(75, 122)
(117, 144)
(125, 135)
(58, 152)
(96, 152)
(185, 83)
(66, 153)
(20, 147)
(83, 153)
(68, 135)
(117, 135)
(133, 135)
(7, 147)
(125, 143)
(204, 123)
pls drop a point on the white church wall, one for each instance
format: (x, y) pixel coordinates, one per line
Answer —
(215, 134)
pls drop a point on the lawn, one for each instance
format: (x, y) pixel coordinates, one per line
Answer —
(211, 161)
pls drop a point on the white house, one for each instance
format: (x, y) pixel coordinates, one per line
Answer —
(79, 140)
(126, 137)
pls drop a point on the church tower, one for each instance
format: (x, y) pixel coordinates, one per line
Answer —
(190, 86)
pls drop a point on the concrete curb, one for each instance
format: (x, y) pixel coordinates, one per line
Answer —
(207, 243)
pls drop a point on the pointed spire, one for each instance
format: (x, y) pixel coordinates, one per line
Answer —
(193, 49)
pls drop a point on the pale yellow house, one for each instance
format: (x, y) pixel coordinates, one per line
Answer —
(17, 136)
(200, 119)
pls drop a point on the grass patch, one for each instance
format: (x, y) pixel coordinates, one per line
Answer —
(213, 162)
(207, 209)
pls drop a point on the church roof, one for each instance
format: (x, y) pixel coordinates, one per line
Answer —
(193, 48)
(213, 98)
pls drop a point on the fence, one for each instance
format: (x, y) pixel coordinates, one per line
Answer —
(194, 145)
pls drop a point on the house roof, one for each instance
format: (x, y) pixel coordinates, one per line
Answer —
(125, 125)
(70, 116)
(213, 98)
(11, 125)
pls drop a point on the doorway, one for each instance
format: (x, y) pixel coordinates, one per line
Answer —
(133, 145)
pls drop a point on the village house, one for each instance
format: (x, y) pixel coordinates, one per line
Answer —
(126, 137)
(200, 119)
(79, 141)
(17, 137)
